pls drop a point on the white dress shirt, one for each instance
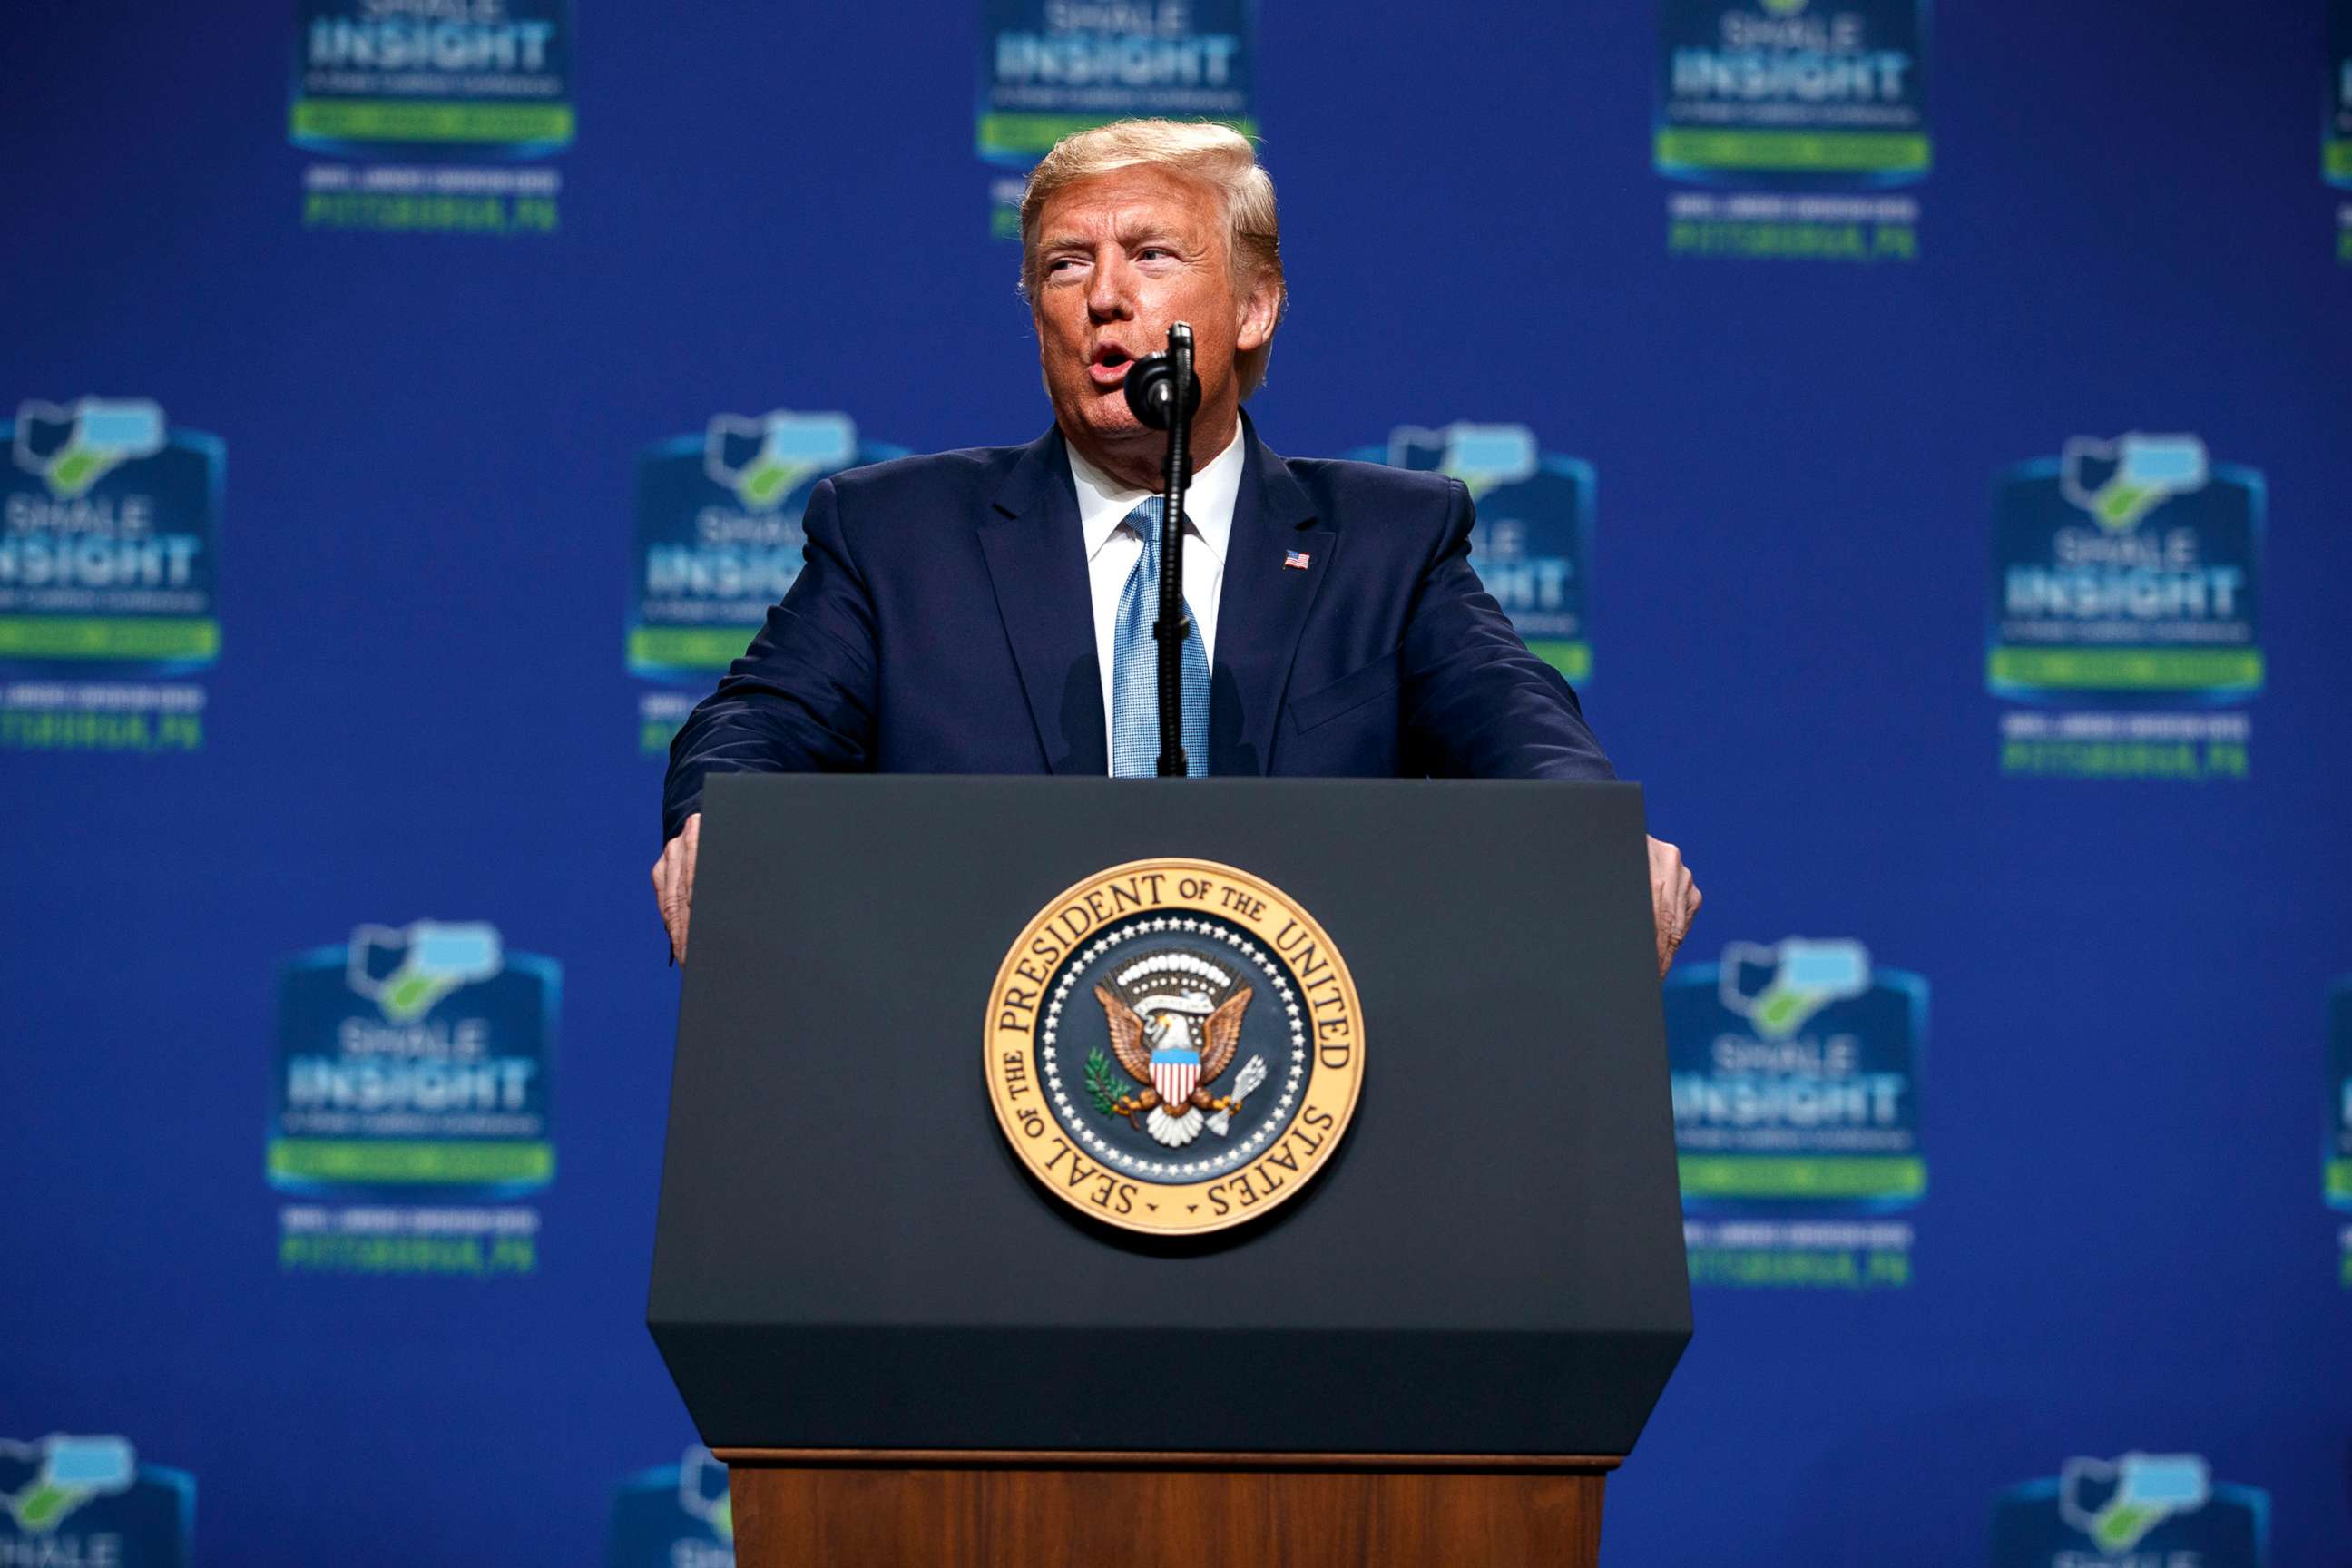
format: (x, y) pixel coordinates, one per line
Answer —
(1112, 550)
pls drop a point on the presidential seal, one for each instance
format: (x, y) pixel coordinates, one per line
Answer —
(1174, 1047)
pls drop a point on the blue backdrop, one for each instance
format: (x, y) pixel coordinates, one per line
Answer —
(421, 707)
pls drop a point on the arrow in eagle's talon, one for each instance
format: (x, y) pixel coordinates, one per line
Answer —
(1252, 1074)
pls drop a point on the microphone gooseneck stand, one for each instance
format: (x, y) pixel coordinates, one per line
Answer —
(1152, 393)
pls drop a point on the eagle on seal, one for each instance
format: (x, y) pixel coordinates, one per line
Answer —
(1173, 1043)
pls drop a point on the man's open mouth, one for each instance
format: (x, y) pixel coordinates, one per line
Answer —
(1109, 365)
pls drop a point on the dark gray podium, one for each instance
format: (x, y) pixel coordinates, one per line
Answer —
(909, 1350)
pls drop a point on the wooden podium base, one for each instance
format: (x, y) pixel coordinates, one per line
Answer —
(945, 1509)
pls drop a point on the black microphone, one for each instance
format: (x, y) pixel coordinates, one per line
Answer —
(1152, 390)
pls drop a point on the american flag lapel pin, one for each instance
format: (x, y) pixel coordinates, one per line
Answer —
(1298, 558)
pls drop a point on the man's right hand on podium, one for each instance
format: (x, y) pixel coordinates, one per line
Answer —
(674, 883)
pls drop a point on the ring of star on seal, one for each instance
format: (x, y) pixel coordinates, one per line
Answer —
(1174, 1046)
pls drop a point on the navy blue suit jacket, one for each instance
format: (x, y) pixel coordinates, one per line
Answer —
(942, 624)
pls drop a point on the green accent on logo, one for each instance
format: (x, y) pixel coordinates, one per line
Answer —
(2119, 1526)
(689, 648)
(2339, 1181)
(1781, 1011)
(1800, 1267)
(399, 213)
(453, 1162)
(2126, 759)
(76, 471)
(464, 1256)
(2336, 160)
(44, 1504)
(2119, 506)
(1033, 135)
(1004, 222)
(1813, 1176)
(1823, 152)
(108, 637)
(1807, 241)
(1572, 657)
(409, 995)
(2126, 668)
(765, 485)
(430, 119)
(73, 729)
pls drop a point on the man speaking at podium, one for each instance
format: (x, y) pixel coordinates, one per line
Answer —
(989, 611)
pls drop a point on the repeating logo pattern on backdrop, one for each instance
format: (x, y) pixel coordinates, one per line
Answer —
(88, 1502)
(719, 540)
(1798, 116)
(1532, 544)
(2136, 1511)
(674, 1516)
(1795, 1069)
(430, 114)
(2336, 1160)
(2127, 577)
(412, 1102)
(1048, 68)
(108, 566)
(1174, 1047)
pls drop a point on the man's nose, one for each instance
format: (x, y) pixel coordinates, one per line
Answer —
(1110, 295)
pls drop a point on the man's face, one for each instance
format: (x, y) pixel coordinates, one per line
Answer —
(1119, 258)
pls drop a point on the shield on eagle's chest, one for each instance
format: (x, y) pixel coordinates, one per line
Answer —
(1175, 1069)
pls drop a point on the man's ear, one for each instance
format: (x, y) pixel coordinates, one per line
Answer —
(1258, 310)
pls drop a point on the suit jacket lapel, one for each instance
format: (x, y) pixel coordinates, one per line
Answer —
(1036, 558)
(1262, 608)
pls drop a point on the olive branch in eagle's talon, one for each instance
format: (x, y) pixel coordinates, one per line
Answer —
(1109, 1097)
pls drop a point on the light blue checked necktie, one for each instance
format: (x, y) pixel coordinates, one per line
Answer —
(1135, 667)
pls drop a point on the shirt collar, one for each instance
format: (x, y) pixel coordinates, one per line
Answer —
(1104, 502)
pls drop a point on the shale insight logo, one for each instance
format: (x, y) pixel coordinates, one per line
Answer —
(2145, 1510)
(1048, 68)
(413, 1101)
(1532, 544)
(87, 1502)
(674, 1516)
(107, 577)
(2126, 584)
(720, 542)
(1809, 110)
(1796, 1068)
(429, 111)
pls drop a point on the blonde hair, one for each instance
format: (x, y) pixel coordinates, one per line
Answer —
(1217, 157)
